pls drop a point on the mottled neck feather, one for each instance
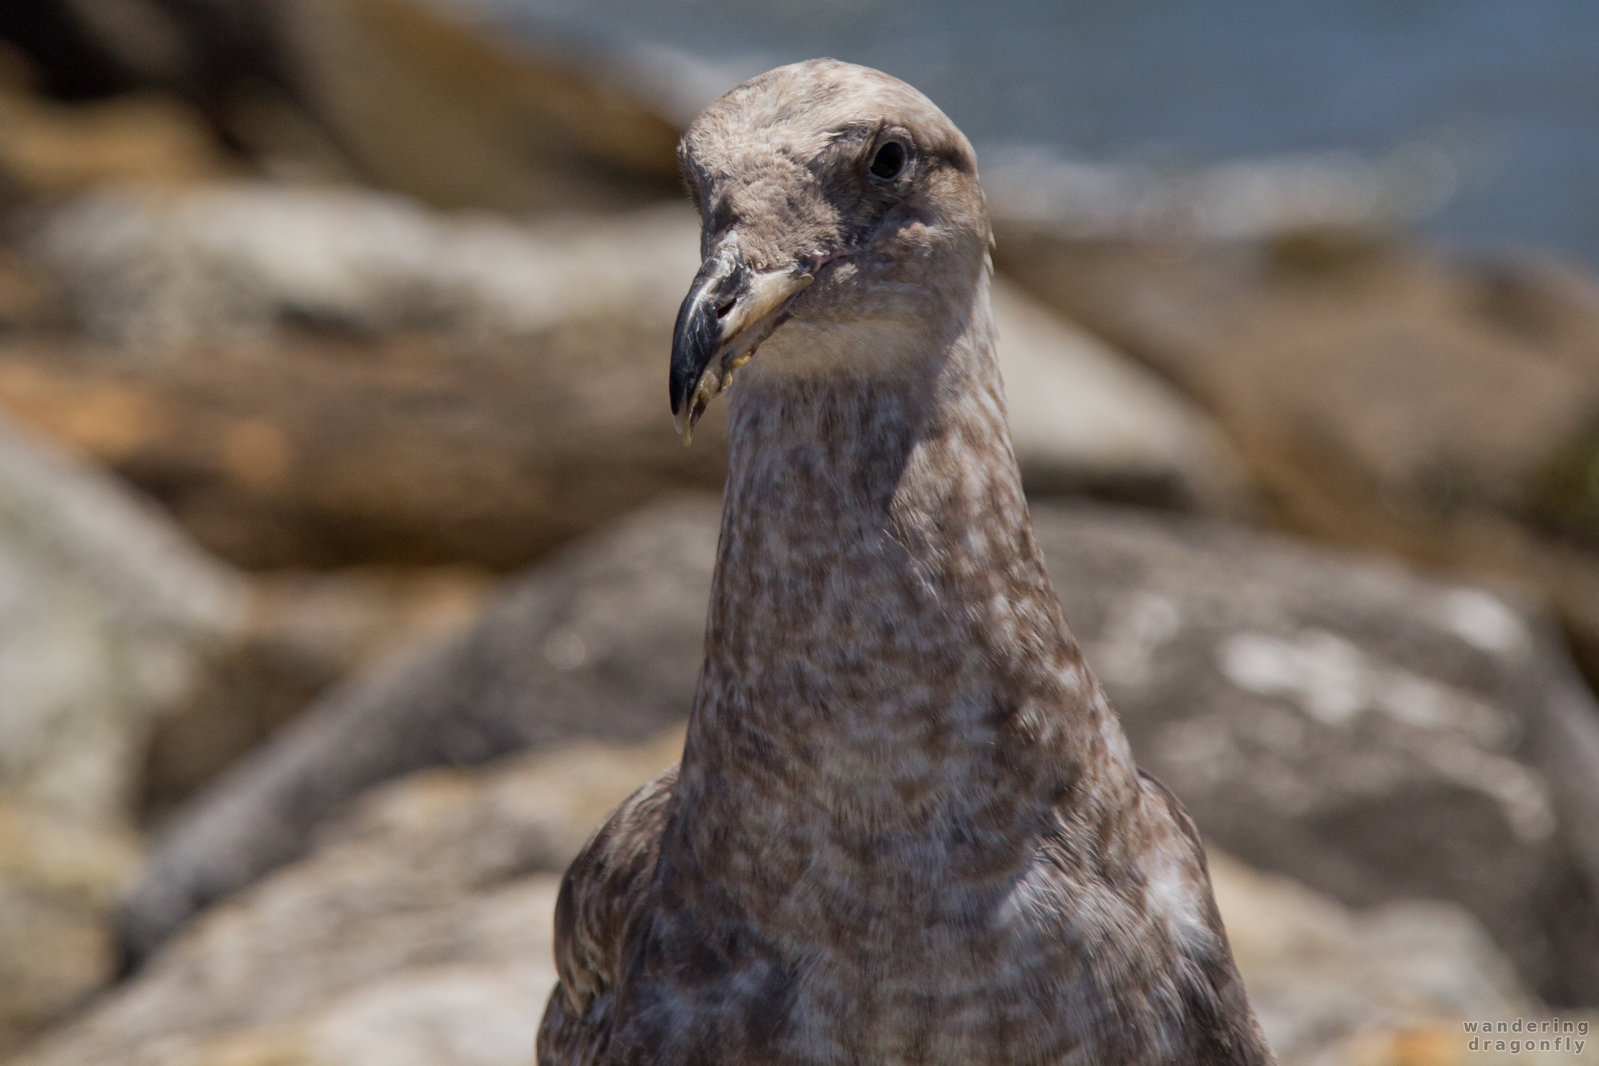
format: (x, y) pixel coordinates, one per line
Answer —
(886, 665)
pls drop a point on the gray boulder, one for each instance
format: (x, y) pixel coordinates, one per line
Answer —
(1086, 420)
(1335, 985)
(1374, 734)
(156, 271)
(603, 641)
(108, 617)
(418, 933)
(1383, 396)
(109, 620)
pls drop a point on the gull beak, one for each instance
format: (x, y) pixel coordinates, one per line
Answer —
(729, 310)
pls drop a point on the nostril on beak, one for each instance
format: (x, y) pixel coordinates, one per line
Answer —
(724, 307)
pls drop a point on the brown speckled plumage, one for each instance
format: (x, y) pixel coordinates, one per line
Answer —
(906, 828)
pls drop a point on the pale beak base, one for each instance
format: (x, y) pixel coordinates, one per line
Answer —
(730, 309)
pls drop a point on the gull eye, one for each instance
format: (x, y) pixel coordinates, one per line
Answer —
(889, 161)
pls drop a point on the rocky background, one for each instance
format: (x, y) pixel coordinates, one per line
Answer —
(350, 571)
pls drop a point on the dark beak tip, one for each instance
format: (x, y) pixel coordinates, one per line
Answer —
(694, 338)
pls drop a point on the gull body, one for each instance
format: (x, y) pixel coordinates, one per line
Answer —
(907, 827)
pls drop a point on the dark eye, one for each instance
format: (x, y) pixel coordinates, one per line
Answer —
(889, 160)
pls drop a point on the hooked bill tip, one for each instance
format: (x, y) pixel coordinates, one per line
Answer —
(705, 390)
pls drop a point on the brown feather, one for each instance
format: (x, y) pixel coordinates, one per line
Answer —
(907, 827)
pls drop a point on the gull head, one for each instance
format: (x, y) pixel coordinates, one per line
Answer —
(842, 229)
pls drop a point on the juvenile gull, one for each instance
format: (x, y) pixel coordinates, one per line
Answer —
(906, 828)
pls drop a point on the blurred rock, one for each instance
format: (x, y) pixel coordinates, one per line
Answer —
(333, 377)
(30, 299)
(418, 931)
(446, 391)
(306, 632)
(52, 150)
(108, 615)
(1384, 986)
(1086, 420)
(1262, 198)
(402, 94)
(431, 104)
(132, 665)
(601, 642)
(1342, 721)
(157, 273)
(58, 881)
(1380, 396)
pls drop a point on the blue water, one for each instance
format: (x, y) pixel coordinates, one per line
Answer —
(1511, 87)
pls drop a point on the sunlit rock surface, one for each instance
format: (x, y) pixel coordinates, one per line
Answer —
(1381, 395)
(1377, 735)
(108, 616)
(418, 932)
